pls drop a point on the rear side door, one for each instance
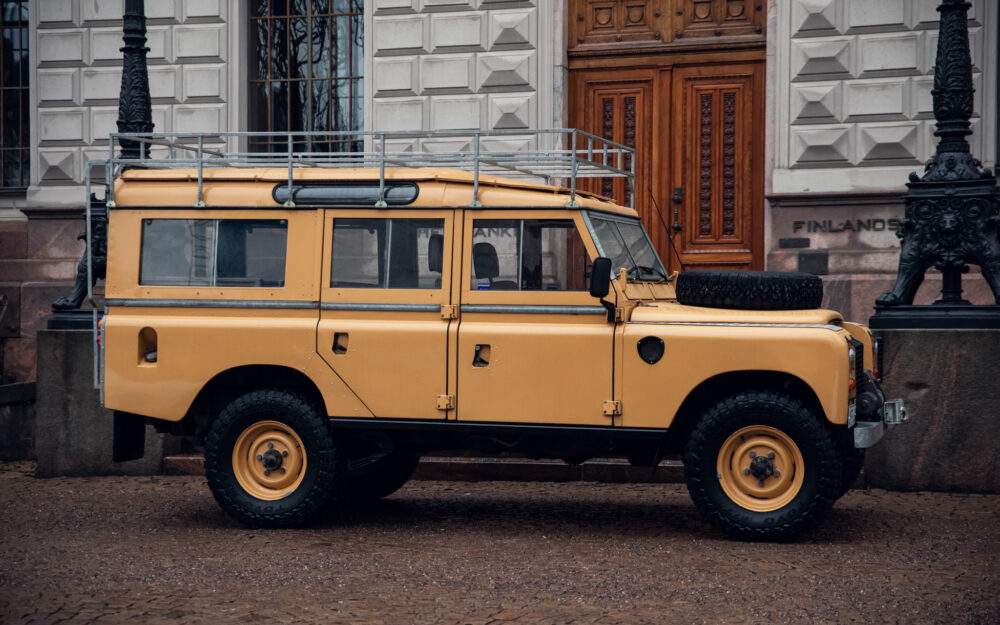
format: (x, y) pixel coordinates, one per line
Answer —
(533, 345)
(385, 307)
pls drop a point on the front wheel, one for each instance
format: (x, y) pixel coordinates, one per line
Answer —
(270, 459)
(762, 466)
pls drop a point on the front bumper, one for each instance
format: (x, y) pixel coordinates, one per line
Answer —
(867, 433)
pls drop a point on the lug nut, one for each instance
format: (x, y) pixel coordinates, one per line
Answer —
(760, 483)
(260, 457)
(770, 456)
(282, 469)
(777, 473)
(746, 471)
(753, 454)
(268, 472)
(284, 453)
(270, 445)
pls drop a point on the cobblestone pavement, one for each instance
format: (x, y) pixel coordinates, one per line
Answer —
(159, 549)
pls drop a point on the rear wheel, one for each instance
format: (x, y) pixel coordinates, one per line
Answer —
(270, 459)
(762, 466)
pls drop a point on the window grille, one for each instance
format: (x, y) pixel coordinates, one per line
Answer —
(306, 67)
(14, 104)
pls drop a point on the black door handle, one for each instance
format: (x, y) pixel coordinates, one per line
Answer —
(338, 346)
(482, 356)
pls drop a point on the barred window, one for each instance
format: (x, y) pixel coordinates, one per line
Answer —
(14, 106)
(306, 66)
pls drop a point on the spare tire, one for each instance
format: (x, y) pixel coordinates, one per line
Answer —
(749, 290)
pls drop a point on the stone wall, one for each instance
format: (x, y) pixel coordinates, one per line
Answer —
(853, 117)
(463, 64)
(854, 79)
(74, 90)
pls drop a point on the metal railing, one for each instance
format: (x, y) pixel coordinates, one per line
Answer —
(553, 156)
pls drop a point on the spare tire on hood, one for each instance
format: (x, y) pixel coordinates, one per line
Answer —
(749, 290)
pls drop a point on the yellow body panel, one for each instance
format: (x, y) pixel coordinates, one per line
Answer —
(195, 345)
(652, 394)
(409, 353)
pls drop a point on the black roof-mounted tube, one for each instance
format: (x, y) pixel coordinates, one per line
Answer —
(346, 193)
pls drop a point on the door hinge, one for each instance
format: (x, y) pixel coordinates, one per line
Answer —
(612, 408)
(449, 311)
(446, 402)
(619, 315)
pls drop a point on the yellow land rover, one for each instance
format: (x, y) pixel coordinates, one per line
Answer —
(318, 319)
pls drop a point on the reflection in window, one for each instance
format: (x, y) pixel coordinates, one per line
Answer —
(387, 253)
(527, 255)
(14, 107)
(306, 66)
(213, 252)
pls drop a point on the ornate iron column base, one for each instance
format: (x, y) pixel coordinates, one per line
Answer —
(937, 316)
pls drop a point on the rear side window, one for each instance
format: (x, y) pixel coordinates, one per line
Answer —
(387, 253)
(213, 252)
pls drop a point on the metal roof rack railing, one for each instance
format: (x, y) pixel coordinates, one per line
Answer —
(557, 156)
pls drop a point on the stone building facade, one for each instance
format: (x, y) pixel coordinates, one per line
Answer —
(842, 111)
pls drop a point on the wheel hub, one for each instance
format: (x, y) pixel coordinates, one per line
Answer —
(762, 467)
(271, 459)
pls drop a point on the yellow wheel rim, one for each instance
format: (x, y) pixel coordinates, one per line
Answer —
(269, 460)
(760, 468)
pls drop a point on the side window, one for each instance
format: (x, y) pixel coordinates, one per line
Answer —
(527, 255)
(387, 253)
(213, 252)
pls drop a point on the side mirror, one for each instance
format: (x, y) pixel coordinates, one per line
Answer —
(600, 277)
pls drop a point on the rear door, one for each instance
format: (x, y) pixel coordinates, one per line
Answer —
(384, 314)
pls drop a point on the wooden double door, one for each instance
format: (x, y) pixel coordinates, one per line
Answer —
(698, 132)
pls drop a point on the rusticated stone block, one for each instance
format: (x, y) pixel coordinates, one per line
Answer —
(73, 433)
(948, 380)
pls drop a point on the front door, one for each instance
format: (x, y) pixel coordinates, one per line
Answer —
(533, 345)
(718, 174)
(698, 135)
(384, 319)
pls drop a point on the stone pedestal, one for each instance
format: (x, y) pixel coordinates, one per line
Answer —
(73, 433)
(949, 381)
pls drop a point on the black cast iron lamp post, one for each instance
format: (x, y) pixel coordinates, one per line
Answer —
(134, 115)
(951, 215)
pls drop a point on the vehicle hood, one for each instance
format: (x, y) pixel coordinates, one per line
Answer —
(678, 313)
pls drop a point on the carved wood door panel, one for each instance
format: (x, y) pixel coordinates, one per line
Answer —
(718, 149)
(623, 105)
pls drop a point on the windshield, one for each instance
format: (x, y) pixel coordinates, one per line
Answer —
(626, 243)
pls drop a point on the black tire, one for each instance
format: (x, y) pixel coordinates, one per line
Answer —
(307, 495)
(807, 503)
(378, 479)
(749, 290)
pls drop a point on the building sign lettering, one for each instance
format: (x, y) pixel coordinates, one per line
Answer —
(813, 226)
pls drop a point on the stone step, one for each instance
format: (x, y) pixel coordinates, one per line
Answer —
(465, 469)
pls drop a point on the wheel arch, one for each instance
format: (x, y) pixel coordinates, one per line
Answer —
(227, 385)
(722, 385)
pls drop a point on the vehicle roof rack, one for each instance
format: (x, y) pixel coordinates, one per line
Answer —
(556, 156)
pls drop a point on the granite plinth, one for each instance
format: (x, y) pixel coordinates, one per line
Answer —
(948, 379)
(73, 433)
